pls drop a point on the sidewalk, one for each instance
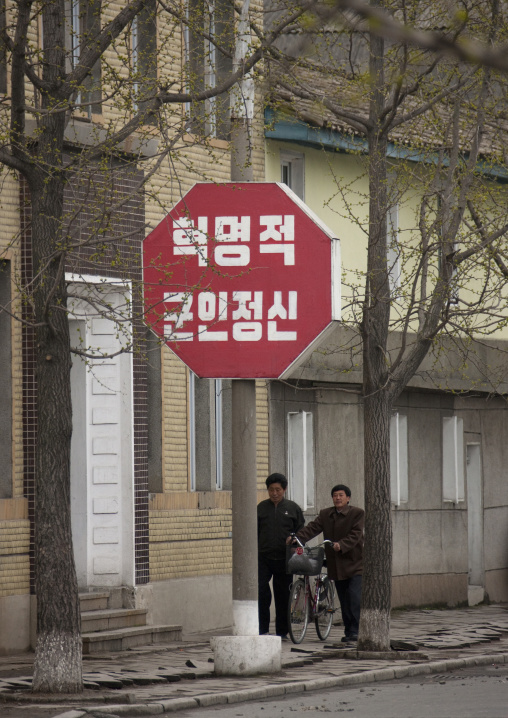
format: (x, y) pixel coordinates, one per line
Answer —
(167, 678)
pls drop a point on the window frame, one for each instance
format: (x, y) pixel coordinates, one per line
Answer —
(301, 438)
(207, 460)
(399, 459)
(453, 464)
(83, 17)
(207, 65)
(295, 163)
(143, 48)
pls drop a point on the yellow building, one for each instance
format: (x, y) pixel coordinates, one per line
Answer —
(150, 499)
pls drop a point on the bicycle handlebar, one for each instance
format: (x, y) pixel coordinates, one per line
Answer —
(297, 540)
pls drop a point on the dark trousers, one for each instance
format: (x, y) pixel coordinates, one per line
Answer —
(273, 568)
(349, 592)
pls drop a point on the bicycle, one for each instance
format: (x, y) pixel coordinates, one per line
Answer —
(308, 602)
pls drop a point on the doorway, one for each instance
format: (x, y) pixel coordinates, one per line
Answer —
(102, 454)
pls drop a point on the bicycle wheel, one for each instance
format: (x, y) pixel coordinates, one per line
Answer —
(298, 611)
(324, 617)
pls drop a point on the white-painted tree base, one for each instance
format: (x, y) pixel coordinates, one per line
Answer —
(246, 655)
(57, 663)
(374, 632)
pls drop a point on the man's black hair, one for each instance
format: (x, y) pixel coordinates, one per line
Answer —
(277, 479)
(342, 487)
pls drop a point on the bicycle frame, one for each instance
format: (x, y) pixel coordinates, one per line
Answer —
(309, 602)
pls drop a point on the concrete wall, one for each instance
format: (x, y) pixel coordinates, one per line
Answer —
(14, 624)
(430, 558)
(180, 602)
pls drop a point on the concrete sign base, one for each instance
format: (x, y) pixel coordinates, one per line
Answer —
(246, 655)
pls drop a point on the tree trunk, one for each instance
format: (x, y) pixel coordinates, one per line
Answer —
(377, 577)
(58, 655)
(376, 589)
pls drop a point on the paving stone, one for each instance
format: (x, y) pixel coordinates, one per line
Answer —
(403, 646)
(474, 635)
(170, 677)
(91, 685)
(203, 666)
(104, 680)
(19, 683)
(145, 679)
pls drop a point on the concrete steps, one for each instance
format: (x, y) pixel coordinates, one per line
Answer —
(107, 626)
(112, 619)
(124, 638)
(93, 601)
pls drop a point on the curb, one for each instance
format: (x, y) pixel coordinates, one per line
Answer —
(252, 694)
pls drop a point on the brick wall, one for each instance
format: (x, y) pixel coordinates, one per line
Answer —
(189, 162)
(262, 428)
(190, 532)
(14, 557)
(14, 524)
(175, 461)
(117, 257)
(190, 542)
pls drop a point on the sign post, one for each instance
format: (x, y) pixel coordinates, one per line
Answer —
(242, 281)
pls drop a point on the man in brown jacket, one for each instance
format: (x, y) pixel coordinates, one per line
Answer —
(343, 524)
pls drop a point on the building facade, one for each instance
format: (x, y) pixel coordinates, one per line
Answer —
(448, 430)
(151, 452)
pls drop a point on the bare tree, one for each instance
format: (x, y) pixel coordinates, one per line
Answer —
(456, 40)
(428, 126)
(89, 122)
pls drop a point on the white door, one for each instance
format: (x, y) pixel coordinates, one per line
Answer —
(102, 450)
(476, 591)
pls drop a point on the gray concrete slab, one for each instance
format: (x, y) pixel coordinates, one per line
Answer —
(182, 675)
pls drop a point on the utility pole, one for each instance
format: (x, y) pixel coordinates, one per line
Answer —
(246, 652)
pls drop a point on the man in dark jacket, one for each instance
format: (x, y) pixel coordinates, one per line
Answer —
(343, 524)
(277, 518)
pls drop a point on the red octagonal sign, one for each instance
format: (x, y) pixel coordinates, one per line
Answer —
(241, 279)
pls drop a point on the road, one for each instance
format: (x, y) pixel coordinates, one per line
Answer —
(478, 692)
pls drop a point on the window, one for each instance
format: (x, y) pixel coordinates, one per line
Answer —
(209, 45)
(292, 172)
(453, 459)
(83, 24)
(301, 459)
(392, 248)
(209, 433)
(5, 382)
(144, 54)
(399, 459)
